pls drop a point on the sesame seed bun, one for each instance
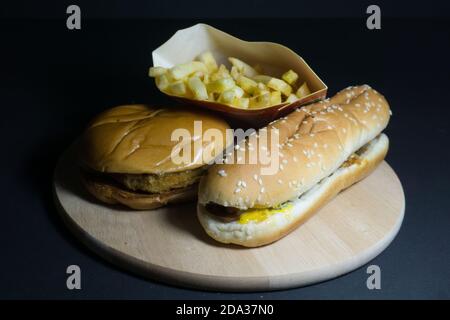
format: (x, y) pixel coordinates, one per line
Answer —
(315, 142)
(278, 225)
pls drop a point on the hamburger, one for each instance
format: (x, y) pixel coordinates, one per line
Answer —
(324, 148)
(126, 153)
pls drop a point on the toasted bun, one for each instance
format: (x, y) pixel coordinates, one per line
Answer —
(113, 194)
(137, 139)
(276, 226)
(314, 141)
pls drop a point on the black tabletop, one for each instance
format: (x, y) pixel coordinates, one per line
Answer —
(54, 80)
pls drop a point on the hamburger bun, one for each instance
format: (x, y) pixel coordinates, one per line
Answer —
(125, 155)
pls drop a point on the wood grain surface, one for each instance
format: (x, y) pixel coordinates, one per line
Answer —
(169, 244)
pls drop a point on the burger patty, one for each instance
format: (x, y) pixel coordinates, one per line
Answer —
(154, 183)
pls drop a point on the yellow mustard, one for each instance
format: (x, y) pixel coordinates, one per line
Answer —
(258, 215)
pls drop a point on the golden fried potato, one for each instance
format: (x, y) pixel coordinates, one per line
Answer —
(242, 86)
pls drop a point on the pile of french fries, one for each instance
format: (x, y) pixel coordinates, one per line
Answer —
(243, 86)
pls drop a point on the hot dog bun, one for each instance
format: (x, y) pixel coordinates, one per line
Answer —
(314, 142)
(278, 225)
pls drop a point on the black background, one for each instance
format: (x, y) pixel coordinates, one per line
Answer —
(54, 80)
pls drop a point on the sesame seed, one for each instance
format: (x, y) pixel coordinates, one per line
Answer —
(344, 130)
(243, 184)
(390, 112)
(357, 105)
(284, 161)
(237, 190)
(281, 167)
(262, 190)
(255, 177)
(295, 159)
(280, 181)
(222, 173)
(325, 146)
(260, 181)
(315, 145)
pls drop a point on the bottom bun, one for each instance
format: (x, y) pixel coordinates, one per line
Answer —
(111, 193)
(277, 225)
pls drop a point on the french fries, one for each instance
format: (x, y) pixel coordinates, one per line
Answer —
(178, 88)
(198, 88)
(208, 59)
(242, 86)
(280, 85)
(244, 68)
(156, 71)
(303, 90)
(183, 70)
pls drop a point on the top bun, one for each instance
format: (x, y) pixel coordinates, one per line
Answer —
(136, 139)
(314, 141)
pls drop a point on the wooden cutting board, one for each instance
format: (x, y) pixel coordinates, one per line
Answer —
(169, 244)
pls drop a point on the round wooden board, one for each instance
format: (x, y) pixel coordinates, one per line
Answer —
(169, 244)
